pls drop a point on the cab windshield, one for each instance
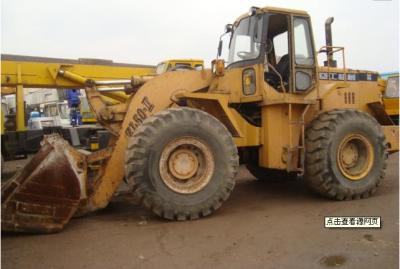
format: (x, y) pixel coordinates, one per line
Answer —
(50, 110)
(63, 108)
(246, 39)
(160, 68)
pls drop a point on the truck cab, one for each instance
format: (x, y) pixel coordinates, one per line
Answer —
(179, 64)
(52, 114)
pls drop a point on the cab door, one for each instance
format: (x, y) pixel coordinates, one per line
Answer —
(303, 57)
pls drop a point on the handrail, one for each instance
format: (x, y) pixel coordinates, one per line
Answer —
(331, 50)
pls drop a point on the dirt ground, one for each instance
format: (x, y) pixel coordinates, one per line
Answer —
(262, 225)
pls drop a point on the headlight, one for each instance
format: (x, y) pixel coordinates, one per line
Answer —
(249, 81)
(218, 67)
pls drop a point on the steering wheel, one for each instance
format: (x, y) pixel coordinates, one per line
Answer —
(244, 55)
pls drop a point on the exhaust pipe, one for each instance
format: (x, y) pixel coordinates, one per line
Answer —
(328, 36)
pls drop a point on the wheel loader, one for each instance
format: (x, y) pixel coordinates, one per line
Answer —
(179, 138)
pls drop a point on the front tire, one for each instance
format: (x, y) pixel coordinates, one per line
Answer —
(182, 163)
(345, 154)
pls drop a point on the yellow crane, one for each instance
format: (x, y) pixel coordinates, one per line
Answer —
(20, 71)
(39, 72)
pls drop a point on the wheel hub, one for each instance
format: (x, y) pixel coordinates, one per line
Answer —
(186, 165)
(355, 156)
(350, 155)
(183, 164)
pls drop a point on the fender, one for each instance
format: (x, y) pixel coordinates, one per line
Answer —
(342, 95)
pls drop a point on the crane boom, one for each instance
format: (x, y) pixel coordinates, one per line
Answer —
(18, 71)
(41, 72)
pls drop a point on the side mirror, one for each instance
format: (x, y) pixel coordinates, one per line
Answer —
(228, 28)
(220, 47)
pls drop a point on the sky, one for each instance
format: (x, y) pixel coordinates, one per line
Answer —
(147, 32)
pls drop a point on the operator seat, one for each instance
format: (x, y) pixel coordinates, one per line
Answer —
(283, 67)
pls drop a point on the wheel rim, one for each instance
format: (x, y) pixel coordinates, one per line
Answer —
(186, 165)
(355, 156)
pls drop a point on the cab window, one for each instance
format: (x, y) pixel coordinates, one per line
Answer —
(392, 87)
(177, 65)
(245, 41)
(302, 41)
(198, 67)
(160, 68)
(50, 110)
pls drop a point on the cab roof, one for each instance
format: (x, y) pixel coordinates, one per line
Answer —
(183, 60)
(283, 10)
(274, 9)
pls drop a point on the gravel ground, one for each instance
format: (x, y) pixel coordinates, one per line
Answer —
(262, 225)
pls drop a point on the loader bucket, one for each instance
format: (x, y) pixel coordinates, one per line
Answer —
(44, 196)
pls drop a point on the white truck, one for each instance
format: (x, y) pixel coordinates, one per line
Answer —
(52, 114)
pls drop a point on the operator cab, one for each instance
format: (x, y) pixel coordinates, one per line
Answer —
(281, 41)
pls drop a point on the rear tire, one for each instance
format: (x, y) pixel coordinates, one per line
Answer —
(182, 163)
(345, 154)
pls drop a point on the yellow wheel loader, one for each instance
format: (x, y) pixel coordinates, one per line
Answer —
(179, 138)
